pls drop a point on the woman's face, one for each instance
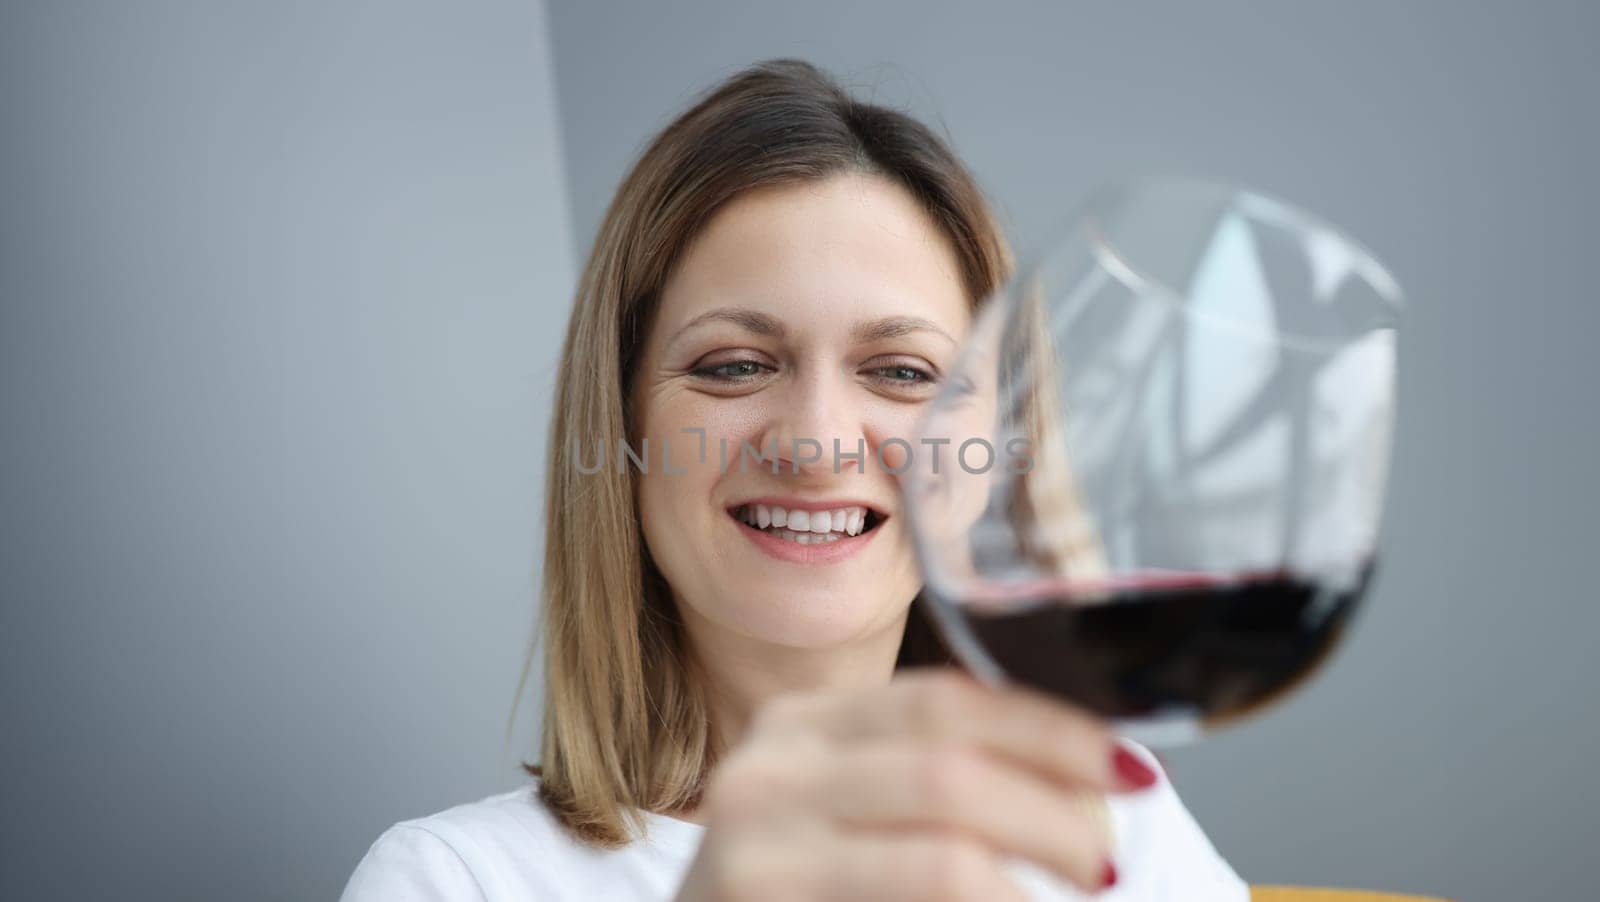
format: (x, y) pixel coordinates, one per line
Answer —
(801, 316)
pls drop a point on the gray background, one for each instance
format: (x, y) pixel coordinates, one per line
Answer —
(282, 290)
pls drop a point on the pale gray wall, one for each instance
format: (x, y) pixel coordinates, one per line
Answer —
(283, 288)
(1449, 748)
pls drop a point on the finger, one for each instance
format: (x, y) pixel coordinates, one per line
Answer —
(914, 866)
(957, 788)
(1060, 742)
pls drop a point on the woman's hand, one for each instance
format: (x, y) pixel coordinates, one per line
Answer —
(919, 790)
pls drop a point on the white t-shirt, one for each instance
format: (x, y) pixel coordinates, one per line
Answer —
(509, 847)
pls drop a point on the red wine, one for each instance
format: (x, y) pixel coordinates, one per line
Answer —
(1150, 646)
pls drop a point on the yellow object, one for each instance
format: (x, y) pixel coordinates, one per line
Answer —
(1310, 894)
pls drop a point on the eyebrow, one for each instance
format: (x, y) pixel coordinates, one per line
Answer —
(896, 326)
(758, 323)
(745, 318)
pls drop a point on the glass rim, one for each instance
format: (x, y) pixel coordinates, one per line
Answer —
(1358, 260)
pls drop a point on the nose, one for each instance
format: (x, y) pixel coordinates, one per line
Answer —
(817, 413)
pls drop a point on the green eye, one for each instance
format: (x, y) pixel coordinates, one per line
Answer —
(732, 371)
(908, 374)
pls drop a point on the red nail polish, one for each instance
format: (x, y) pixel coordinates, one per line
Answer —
(1109, 878)
(1131, 770)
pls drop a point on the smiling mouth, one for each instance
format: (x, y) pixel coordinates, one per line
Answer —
(808, 527)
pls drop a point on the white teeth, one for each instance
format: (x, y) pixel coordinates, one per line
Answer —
(807, 538)
(805, 527)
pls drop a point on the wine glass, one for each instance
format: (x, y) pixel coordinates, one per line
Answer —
(1152, 482)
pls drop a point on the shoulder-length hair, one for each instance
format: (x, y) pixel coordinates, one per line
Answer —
(626, 725)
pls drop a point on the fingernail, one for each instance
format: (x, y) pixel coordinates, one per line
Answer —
(1131, 770)
(1109, 878)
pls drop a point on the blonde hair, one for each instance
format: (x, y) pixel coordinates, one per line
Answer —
(626, 724)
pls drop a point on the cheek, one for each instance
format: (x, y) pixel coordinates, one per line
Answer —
(672, 487)
(987, 455)
(697, 425)
(886, 422)
(951, 499)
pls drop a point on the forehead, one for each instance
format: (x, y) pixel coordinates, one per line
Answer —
(821, 254)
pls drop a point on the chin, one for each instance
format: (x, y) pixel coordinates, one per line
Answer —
(803, 620)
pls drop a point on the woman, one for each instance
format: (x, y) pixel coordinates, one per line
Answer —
(734, 705)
